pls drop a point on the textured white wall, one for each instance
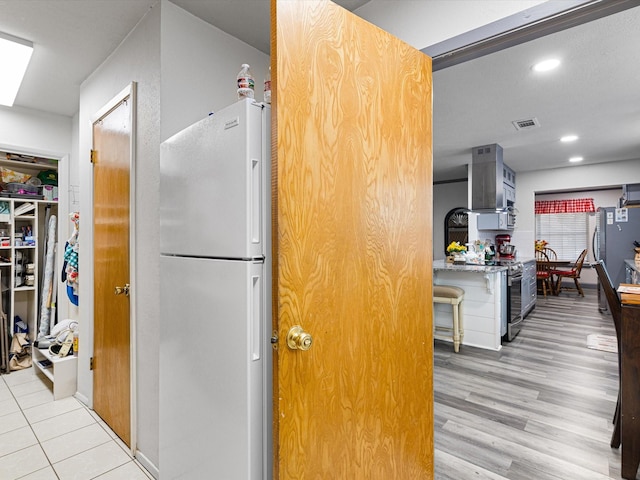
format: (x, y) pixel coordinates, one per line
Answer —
(199, 68)
(184, 69)
(36, 131)
(137, 59)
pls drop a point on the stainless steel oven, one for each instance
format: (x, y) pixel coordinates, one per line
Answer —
(514, 300)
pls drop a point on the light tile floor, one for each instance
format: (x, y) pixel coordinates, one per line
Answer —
(43, 439)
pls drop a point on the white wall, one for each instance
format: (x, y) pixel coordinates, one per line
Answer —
(35, 131)
(137, 59)
(445, 197)
(200, 64)
(184, 69)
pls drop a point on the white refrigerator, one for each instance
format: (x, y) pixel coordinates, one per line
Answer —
(215, 297)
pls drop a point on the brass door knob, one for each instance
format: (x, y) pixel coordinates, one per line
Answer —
(121, 290)
(298, 339)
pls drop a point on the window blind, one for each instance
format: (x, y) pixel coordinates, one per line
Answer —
(566, 233)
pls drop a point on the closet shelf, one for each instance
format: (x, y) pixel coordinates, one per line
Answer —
(62, 372)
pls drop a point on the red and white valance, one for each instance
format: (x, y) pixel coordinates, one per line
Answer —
(575, 205)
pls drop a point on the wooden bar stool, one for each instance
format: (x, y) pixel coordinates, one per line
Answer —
(454, 297)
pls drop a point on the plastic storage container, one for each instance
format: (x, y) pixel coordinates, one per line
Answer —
(22, 188)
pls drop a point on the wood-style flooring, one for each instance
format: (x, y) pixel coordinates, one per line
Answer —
(540, 409)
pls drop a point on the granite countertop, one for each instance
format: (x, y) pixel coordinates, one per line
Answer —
(443, 265)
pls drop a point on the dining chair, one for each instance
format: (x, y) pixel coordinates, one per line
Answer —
(543, 272)
(615, 307)
(551, 253)
(574, 273)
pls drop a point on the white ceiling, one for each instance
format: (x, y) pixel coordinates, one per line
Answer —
(71, 39)
(594, 94)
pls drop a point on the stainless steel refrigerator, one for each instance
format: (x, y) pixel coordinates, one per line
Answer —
(616, 230)
(215, 300)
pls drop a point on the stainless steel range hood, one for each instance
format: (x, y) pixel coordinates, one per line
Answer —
(492, 182)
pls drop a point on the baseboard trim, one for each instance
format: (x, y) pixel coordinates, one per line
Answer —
(147, 464)
(82, 398)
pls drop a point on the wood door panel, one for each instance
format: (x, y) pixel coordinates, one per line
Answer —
(353, 248)
(111, 375)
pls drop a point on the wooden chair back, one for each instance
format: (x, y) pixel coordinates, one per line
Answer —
(541, 256)
(615, 306)
(579, 262)
(613, 300)
(550, 253)
(543, 272)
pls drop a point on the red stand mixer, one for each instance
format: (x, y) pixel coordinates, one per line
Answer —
(506, 251)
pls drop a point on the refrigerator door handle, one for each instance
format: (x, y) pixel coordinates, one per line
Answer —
(255, 200)
(255, 316)
(594, 251)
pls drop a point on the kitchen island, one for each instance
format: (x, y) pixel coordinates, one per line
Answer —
(484, 310)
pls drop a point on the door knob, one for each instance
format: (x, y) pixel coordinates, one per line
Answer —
(298, 339)
(121, 290)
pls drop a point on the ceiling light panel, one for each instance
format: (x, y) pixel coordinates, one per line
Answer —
(546, 65)
(15, 54)
(569, 138)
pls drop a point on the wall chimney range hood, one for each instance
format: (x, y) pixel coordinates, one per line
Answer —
(493, 184)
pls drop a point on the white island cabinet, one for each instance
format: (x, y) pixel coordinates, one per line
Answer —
(484, 309)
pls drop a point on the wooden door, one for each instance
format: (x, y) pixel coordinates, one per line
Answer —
(352, 248)
(111, 343)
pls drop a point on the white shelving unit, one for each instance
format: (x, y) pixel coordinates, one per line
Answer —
(19, 296)
(19, 255)
(20, 258)
(63, 372)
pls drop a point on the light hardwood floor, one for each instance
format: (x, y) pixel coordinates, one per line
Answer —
(539, 409)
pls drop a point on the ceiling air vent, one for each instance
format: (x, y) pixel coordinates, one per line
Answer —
(527, 124)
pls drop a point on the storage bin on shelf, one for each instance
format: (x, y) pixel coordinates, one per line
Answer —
(22, 188)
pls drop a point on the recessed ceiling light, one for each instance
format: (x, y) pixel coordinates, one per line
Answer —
(569, 138)
(546, 65)
(15, 54)
(576, 159)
